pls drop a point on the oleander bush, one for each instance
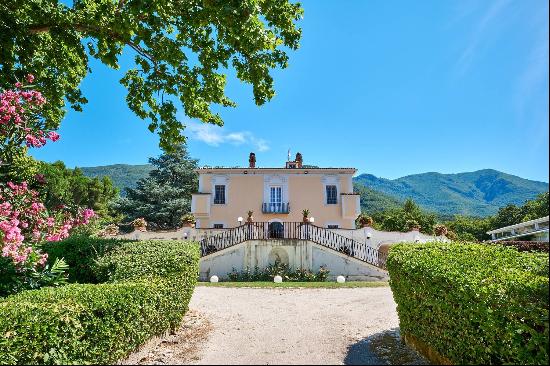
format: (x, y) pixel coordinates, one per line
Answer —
(473, 303)
(145, 291)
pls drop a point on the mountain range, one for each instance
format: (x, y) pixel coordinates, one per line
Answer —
(479, 193)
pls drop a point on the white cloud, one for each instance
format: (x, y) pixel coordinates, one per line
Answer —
(215, 136)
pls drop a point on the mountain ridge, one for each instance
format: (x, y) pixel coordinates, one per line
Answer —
(478, 193)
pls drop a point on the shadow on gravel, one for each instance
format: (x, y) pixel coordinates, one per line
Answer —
(385, 348)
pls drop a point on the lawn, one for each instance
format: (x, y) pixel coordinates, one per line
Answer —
(329, 285)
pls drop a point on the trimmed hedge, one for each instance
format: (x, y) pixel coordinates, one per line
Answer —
(80, 253)
(102, 323)
(473, 303)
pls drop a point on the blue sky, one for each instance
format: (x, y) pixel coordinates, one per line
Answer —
(390, 87)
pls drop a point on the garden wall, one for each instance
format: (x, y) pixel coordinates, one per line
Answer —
(298, 254)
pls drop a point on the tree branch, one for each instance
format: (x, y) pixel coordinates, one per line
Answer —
(45, 28)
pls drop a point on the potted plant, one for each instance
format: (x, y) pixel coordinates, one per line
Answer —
(413, 225)
(140, 224)
(188, 220)
(250, 218)
(440, 230)
(365, 221)
(305, 213)
(109, 230)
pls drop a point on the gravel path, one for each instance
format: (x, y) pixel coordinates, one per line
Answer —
(284, 326)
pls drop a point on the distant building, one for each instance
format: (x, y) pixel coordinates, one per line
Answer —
(275, 195)
(535, 230)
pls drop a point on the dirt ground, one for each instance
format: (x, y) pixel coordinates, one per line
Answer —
(284, 326)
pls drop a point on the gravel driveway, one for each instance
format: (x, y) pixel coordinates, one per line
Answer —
(283, 326)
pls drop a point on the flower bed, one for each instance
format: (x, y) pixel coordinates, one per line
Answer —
(472, 303)
(278, 269)
(145, 291)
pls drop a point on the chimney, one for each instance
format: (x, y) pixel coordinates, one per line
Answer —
(252, 161)
(299, 161)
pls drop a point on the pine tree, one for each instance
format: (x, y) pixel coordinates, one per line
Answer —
(164, 197)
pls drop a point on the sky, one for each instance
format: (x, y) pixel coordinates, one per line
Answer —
(391, 88)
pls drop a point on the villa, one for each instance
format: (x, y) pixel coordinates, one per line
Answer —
(299, 215)
(275, 196)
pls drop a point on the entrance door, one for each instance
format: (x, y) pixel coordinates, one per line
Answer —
(276, 230)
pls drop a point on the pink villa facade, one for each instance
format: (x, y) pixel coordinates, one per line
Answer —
(226, 195)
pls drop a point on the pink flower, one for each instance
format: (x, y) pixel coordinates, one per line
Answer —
(30, 78)
(54, 136)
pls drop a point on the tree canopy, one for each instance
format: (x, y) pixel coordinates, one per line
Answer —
(182, 48)
(70, 187)
(164, 197)
(405, 218)
(469, 228)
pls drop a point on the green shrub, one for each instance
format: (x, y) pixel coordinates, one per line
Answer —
(102, 323)
(473, 303)
(12, 282)
(138, 259)
(80, 253)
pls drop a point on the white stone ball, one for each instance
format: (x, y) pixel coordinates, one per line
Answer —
(341, 279)
(278, 279)
(214, 279)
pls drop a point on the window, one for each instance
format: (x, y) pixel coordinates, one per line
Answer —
(219, 195)
(332, 195)
(276, 196)
(333, 226)
(218, 226)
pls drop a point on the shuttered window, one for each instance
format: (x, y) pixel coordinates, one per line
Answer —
(219, 195)
(332, 195)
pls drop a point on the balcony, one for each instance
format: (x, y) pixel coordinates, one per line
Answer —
(276, 208)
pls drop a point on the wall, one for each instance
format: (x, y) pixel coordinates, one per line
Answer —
(298, 254)
(378, 238)
(245, 192)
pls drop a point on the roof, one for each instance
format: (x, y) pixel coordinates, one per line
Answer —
(306, 170)
(519, 226)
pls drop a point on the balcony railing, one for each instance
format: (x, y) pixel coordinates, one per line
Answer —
(272, 208)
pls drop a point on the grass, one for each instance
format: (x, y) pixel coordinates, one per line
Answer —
(329, 285)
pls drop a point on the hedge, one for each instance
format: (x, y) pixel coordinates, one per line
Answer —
(102, 323)
(473, 303)
(80, 253)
